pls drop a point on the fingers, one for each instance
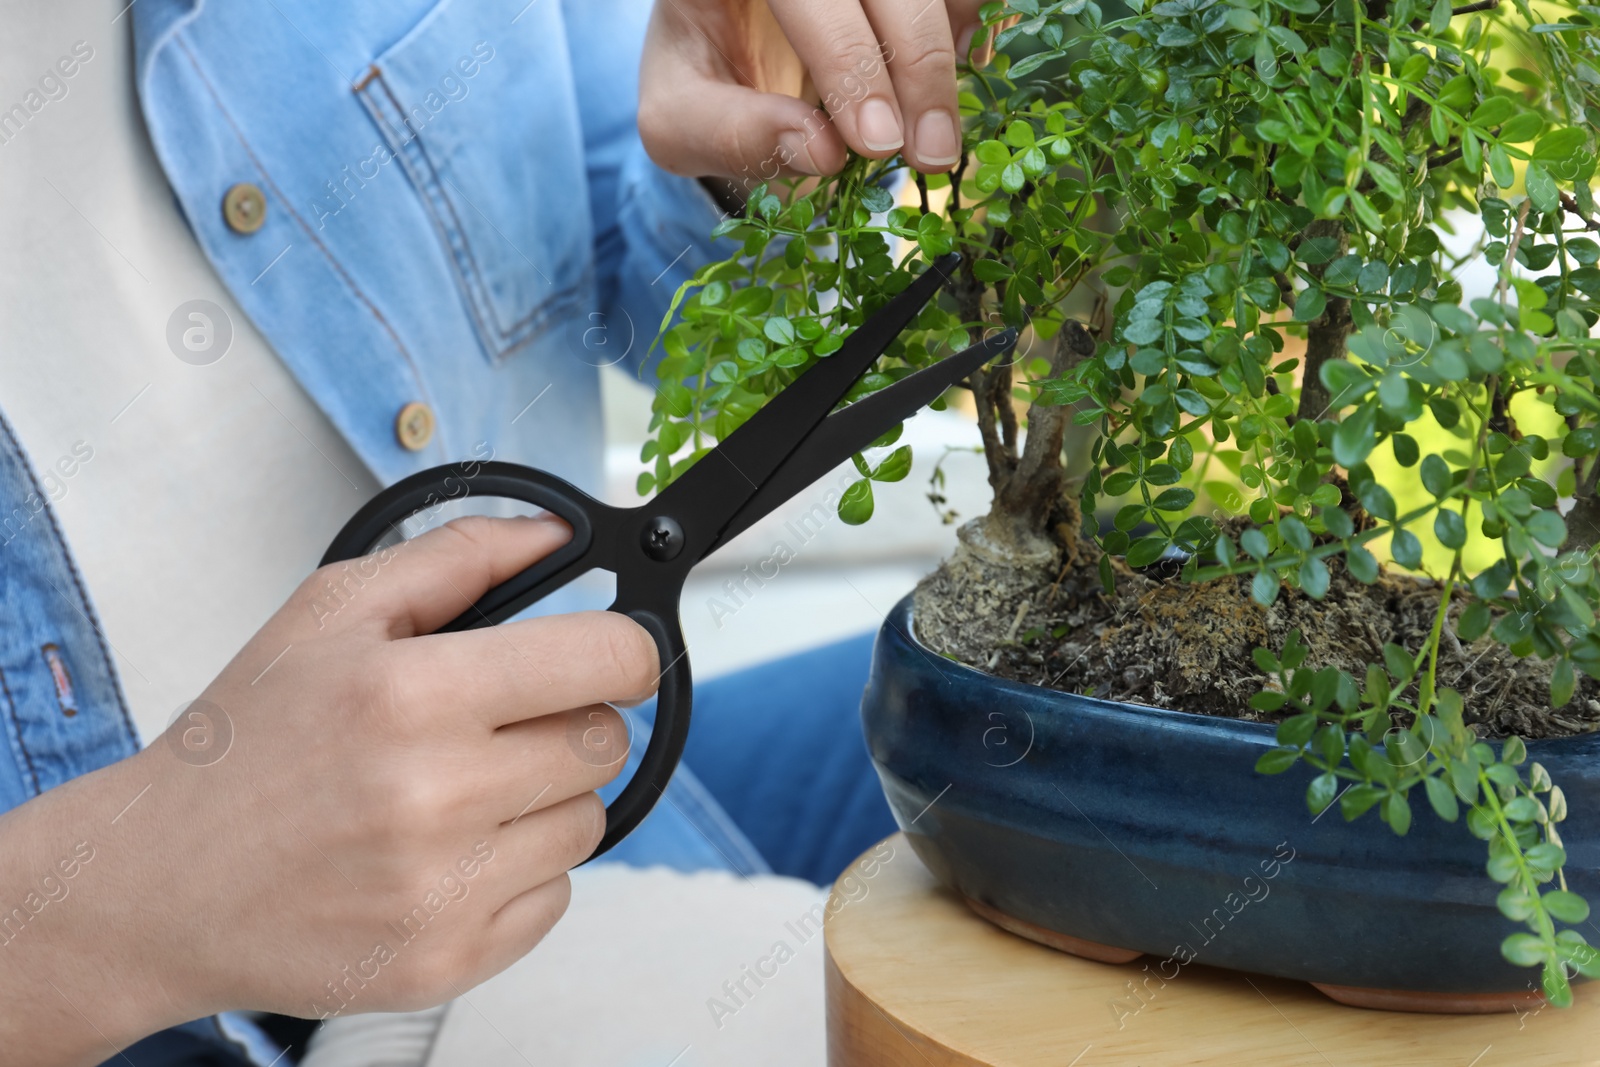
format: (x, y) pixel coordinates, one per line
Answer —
(539, 763)
(542, 846)
(921, 57)
(967, 26)
(713, 102)
(706, 127)
(523, 921)
(522, 670)
(837, 43)
(419, 585)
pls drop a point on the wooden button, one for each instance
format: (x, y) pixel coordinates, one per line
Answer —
(414, 426)
(244, 208)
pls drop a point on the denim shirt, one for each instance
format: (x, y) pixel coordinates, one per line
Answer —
(458, 209)
(458, 214)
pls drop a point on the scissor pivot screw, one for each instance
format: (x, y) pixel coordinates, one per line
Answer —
(663, 538)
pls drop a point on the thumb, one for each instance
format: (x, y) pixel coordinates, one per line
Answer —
(701, 127)
(419, 585)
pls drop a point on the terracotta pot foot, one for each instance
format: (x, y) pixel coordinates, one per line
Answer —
(1075, 946)
(1431, 1003)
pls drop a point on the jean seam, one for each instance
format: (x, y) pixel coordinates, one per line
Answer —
(712, 817)
(327, 253)
(85, 605)
(16, 733)
(499, 341)
(463, 265)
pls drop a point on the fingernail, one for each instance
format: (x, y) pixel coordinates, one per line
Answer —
(938, 144)
(964, 42)
(880, 130)
(795, 152)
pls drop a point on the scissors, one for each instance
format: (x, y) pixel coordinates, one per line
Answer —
(790, 443)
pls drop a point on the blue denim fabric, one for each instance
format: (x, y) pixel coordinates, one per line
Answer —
(63, 709)
(780, 782)
(779, 746)
(459, 212)
(457, 189)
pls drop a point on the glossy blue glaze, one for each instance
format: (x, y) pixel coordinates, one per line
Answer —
(1149, 829)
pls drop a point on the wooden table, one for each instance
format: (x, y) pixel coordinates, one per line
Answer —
(915, 979)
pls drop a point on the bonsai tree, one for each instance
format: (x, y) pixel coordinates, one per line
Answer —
(1310, 289)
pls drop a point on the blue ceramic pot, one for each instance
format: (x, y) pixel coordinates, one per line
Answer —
(1150, 831)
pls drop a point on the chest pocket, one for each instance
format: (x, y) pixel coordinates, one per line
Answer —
(476, 105)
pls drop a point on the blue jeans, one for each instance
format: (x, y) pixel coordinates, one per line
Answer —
(776, 777)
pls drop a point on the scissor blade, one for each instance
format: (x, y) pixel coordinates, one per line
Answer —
(851, 429)
(715, 488)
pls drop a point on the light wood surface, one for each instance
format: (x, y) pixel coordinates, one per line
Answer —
(915, 979)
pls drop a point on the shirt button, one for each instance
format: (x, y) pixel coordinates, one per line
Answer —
(244, 208)
(414, 426)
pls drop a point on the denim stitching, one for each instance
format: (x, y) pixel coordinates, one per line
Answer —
(16, 739)
(338, 268)
(503, 339)
(466, 277)
(84, 604)
(438, 183)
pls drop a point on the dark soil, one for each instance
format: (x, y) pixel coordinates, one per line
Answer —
(1167, 644)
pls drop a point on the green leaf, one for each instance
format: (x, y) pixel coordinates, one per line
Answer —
(1560, 145)
(1524, 950)
(1144, 331)
(1266, 59)
(1354, 438)
(1435, 475)
(1515, 903)
(1277, 760)
(1450, 529)
(1406, 549)
(1439, 17)
(1295, 533)
(855, 507)
(1500, 166)
(1521, 128)
(1493, 111)
(1264, 587)
(1174, 499)
(1474, 621)
(1314, 578)
(1322, 791)
(877, 199)
(779, 330)
(1547, 527)
(1357, 799)
(1296, 730)
(1310, 304)
(1363, 564)
(1566, 906)
(1554, 984)
(1562, 683)
(1542, 188)
(1442, 798)
(895, 466)
(1397, 810)
(1146, 550)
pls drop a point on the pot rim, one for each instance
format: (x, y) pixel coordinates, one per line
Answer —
(902, 620)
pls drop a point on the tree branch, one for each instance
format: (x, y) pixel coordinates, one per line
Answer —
(1326, 336)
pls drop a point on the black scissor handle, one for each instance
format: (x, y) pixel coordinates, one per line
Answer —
(432, 489)
(595, 527)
